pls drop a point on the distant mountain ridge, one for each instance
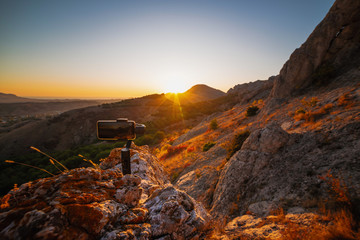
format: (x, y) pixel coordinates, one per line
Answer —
(12, 98)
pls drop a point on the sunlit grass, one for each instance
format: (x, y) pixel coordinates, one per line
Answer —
(50, 158)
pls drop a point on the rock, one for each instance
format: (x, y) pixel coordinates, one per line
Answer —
(89, 203)
(172, 212)
(248, 92)
(200, 184)
(262, 208)
(267, 140)
(286, 176)
(296, 210)
(332, 48)
(231, 186)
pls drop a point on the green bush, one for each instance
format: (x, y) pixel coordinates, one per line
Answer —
(144, 140)
(208, 145)
(251, 111)
(213, 124)
(300, 110)
(159, 136)
(237, 142)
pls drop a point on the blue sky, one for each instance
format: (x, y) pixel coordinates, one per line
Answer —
(132, 48)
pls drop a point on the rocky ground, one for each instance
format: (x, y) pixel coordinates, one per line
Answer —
(101, 203)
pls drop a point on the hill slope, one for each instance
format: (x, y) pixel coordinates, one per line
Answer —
(197, 93)
(12, 98)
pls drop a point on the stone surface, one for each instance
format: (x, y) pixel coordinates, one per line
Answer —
(248, 92)
(173, 212)
(332, 48)
(267, 140)
(287, 175)
(101, 203)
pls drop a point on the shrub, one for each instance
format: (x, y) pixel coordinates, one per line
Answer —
(251, 111)
(144, 140)
(173, 150)
(174, 176)
(159, 136)
(208, 145)
(213, 124)
(346, 100)
(300, 110)
(237, 142)
(310, 103)
(190, 149)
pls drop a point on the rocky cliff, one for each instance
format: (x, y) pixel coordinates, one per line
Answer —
(332, 49)
(247, 92)
(101, 203)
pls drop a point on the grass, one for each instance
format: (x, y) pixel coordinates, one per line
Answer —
(310, 112)
(39, 164)
(173, 150)
(333, 223)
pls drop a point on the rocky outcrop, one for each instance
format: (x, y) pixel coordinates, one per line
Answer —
(248, 92)
(255, 154)
(276, 169)
(101, 203)
(332, 48)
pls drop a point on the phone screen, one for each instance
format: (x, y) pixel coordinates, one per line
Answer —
(115, 130)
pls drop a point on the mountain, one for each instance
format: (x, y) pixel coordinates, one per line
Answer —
(202, 92)
(12, 98)
(197, 93)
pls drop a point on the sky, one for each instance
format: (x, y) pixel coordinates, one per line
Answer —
(131, 48)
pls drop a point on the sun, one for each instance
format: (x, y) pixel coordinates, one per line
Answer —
(174, 87)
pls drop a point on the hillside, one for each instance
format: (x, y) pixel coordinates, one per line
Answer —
(197, 93)
(271, 159)
(44, 108)
(77, 127)
(201, 92)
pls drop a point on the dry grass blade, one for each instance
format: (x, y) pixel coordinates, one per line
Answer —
(88, 160)
(24, 164)
(52, 162)
(34, 148)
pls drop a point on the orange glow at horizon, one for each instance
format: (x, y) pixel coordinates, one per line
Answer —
(39, 87)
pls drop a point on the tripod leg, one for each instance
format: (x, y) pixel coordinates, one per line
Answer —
(125, 158)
